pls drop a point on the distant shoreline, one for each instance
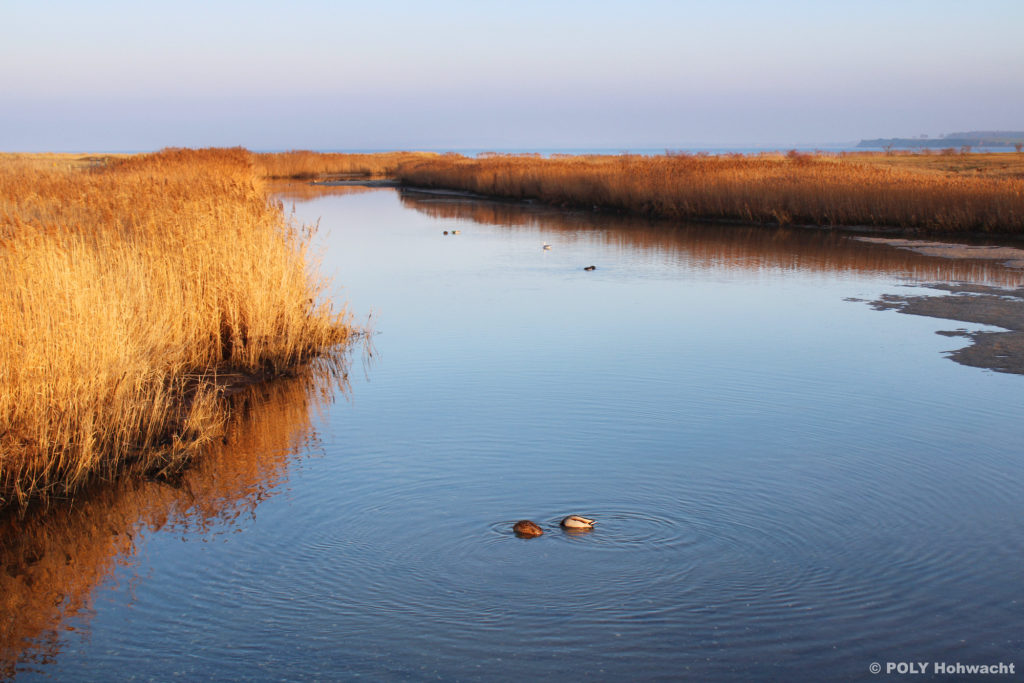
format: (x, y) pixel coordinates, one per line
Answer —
(988, 140)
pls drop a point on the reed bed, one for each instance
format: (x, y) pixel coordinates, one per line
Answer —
(947, 162)
(54, 160)
(132, 289)
(302, 164)
(780, 189)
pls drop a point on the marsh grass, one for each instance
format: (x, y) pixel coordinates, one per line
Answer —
(996, 165)
(303, 164)
(131, 289)
(795, 188)
(55, 160)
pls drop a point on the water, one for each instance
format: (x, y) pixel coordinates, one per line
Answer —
(787, 484)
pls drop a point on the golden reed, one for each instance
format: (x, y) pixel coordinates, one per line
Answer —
(131, 289)
(306, 164)
(781, 189)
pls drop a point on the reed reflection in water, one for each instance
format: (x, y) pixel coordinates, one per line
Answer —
(302, 191)
(53, 559)
(721, 247)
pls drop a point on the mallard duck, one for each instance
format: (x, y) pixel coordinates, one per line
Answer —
(590, 268)
(577, 522)
(456, 232)
(527, 529)
(545, 245)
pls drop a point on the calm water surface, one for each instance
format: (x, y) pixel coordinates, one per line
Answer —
(787, 484)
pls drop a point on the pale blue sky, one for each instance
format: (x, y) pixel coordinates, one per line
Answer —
(130, 75)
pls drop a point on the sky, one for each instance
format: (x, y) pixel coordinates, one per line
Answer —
(120, 75)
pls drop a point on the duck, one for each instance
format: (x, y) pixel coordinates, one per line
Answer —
(590, 268)
(456, 232)
(577, 523)
(446, 232)
(526, 529)
(546, 246)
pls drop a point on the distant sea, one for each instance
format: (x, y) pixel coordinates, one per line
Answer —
(642, 151)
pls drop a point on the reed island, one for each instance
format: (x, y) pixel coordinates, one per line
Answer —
(911, 193)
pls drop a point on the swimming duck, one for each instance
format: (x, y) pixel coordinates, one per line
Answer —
(576, 522)
(546, 245)
(590, 268)
(527, 529)
(456, 232)
(446, 232)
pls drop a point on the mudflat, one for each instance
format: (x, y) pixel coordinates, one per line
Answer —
(1002, 351)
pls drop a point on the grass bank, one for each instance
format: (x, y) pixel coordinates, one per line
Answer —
(874, 191)
(133, 287)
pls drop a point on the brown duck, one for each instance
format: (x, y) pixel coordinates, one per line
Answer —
(527, 529)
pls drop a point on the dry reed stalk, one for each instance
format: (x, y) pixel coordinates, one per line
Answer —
(790, 189)
(129, 289)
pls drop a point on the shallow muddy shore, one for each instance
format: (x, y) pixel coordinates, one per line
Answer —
(1000, 351)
